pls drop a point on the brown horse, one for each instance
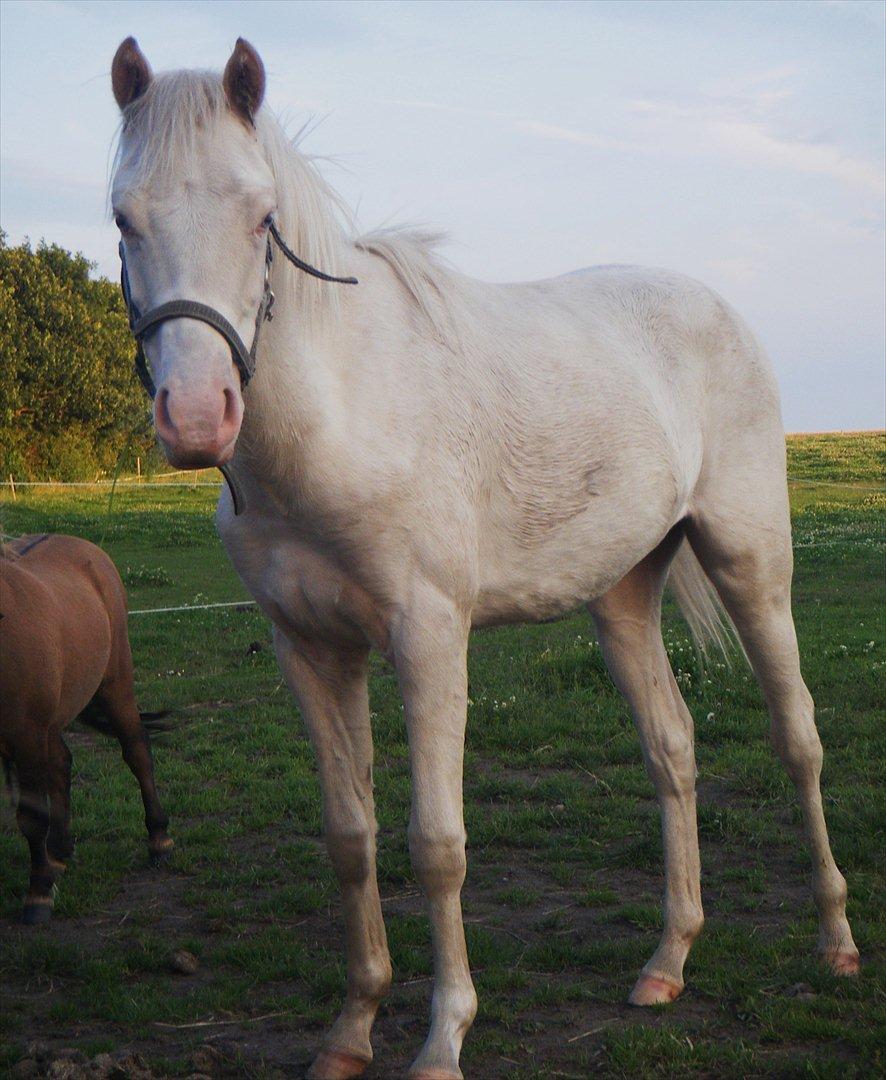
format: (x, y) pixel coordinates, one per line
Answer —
(64, 653)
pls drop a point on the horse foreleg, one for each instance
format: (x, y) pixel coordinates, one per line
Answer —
(331, 687)
(32, 815)
(431, 658)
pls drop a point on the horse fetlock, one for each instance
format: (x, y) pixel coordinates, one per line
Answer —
(331, 1064)
(686, 926)
(830, 893)
(160, 849)
(845, 963)
(453, 1009)
(652, 989)
(37, 909)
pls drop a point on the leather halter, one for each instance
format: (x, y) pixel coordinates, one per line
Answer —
(243, 358)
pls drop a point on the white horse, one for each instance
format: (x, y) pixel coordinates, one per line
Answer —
(424, 453)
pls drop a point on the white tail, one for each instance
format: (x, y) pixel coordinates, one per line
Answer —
(701, 606)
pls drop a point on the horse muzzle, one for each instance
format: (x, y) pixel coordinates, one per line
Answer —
(198, 428)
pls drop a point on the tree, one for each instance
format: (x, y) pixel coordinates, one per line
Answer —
(70, 402)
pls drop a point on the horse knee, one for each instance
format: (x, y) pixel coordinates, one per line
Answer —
(372, 980)
(438, 856)
(352, 853)
(32, 816)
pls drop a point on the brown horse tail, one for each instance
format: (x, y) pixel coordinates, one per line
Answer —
(7, 777)
(95, 717)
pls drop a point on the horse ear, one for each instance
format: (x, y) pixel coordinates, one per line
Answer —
(130, 73)
(244, 81)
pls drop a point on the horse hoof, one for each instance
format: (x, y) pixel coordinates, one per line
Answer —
(56, 865)
(435, 1074)
(36, 912)
(161, 850)
(843, 963)
(650, 990)
(336, 1065)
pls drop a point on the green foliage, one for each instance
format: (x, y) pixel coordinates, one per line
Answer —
(69, 401)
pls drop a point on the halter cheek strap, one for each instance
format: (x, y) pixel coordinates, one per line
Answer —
(244, 360)
(142, 325)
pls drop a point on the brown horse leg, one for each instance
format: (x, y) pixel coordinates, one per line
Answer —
(60, 843)
(118, 701)
(116, 698)
(33, 819)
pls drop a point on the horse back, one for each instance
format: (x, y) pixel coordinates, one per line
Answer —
(63, 611)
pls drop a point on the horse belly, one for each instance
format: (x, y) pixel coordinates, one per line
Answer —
(534, 571)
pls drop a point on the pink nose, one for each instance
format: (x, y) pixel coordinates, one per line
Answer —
(198, 429)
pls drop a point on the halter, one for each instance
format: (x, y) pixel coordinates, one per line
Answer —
(142, 325)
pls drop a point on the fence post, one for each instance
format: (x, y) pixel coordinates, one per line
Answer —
(12, 485)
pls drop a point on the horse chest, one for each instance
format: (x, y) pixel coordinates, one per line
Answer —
(304, 593)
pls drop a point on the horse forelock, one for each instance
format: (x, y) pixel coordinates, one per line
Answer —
(163, 134)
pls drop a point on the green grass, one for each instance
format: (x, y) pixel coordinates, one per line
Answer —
(849, 457)
(564, 880)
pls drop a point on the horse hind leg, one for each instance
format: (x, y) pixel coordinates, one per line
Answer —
(629, 630)
(116, 699)
(750, 563)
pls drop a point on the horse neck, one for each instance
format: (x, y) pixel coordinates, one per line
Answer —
(293, 402)
(292, 394)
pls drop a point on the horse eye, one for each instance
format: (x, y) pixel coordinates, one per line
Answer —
(122, 223)
(268, 221)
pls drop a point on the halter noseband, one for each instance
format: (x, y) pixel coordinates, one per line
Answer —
(142, 325)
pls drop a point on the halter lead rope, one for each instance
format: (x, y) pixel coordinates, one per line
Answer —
(244, 360)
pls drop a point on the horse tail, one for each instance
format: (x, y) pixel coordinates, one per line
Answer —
(95, 716)
(700, 605)
(7, 779)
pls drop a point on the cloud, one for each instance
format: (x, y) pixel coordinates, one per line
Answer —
(570, 135)
(732, 118)
(744, 117)
(717, 126)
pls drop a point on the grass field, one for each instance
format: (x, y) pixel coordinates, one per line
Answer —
(565, 865)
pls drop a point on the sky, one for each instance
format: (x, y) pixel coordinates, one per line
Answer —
(741, 143)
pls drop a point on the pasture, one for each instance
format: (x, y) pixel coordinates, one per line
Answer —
(562, 899)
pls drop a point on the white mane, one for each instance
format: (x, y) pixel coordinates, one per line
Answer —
(170, 120)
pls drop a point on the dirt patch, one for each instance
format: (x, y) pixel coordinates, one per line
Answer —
(258, 1044)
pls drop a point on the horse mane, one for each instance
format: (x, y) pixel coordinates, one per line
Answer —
(171, 118)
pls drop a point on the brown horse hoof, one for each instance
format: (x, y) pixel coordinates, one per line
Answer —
(336, 1065)
(161, 850)
(843, 963)
(37, 911)
(650, 990)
